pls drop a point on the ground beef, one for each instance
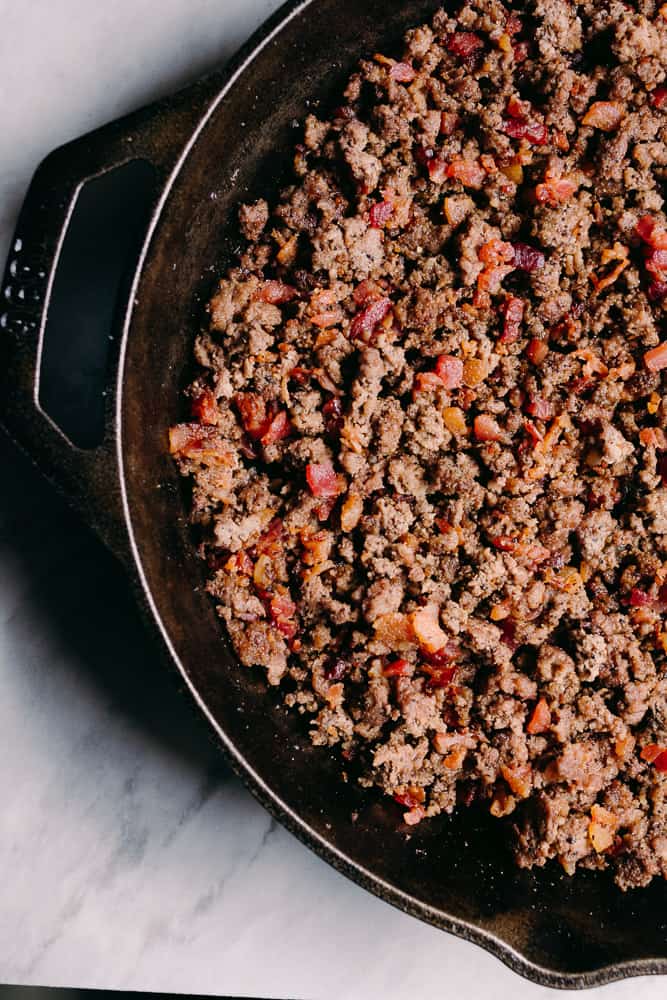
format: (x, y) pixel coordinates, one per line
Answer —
(428, 438)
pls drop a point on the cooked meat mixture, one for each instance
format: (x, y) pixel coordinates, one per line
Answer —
(428, 441)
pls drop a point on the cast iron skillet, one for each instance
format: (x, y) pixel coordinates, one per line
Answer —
(225, 139)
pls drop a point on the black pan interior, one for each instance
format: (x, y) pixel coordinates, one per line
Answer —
(452, 869)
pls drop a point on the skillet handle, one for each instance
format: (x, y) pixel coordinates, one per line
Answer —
(89, 478)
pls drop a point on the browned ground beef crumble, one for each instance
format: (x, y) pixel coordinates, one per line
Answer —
(428, 437)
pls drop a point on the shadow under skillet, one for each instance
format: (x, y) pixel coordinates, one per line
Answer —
(81, 595)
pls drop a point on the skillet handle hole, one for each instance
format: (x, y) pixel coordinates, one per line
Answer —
(90, 288)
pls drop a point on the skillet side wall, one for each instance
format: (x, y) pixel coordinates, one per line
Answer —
(457, 868)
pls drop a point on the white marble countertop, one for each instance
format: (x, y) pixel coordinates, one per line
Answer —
(129, 857)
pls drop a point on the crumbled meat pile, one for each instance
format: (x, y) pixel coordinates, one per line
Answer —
(428, 442)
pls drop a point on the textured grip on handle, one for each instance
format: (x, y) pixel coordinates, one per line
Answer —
(88, 478)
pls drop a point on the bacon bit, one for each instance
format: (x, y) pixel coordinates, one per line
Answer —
(456, 209)
(655, 755)
(426, 626)
(271, 542)
(282, 610)
(658, 97)
(639, 598)
(323, 510)
(333, 415)
(604, 115)
(650, 232)
(445, 528)
(502, 804)
(561, 142)
(655, 262)
(423, 154)
(254, 417)
(442, 657)
(324, 338)
(653, 437)
(488, 163)
(512, 309)
(437, 169)
(657, 291)
(276, 293)
(199, 441)
(449, 370)
(500, 611)
(513, 172)
(513, 24)
(533, 432)
(316, 545)
(653, 404)
(439, 677)
(555, 190)
(518, 778)
(327, 319)
(540, 408)
(380, 214)
(402, 72)
(323, 480)
(521, 51)
(623, 371)
(449, 122)
(336, 670)
(568, 580)
(301, 375)
(454, 420)
(240, 563)
(518, 109)
(656, 359)
(409, 796)
(527, 258)
(468, 172)
(454, 760)
(204, 408)
(463, 43)
(426, 382)
(651, 752)
(351, 512)
(399, 668)
(624, 745)
(537, 351)
(505, 43)
(474, 372)
(561, 423)
(367, 291)
(602, 828)
(364, 323)
(489, 282)
(324, 308)
(486, 428)
(536, 133)
(504, 542)
(263, 576)
(395, 630)
(279, 428)
(496, 252)
(540, 719)
(593, 364)
(414, 816)
(508, 634)
(619, 253)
